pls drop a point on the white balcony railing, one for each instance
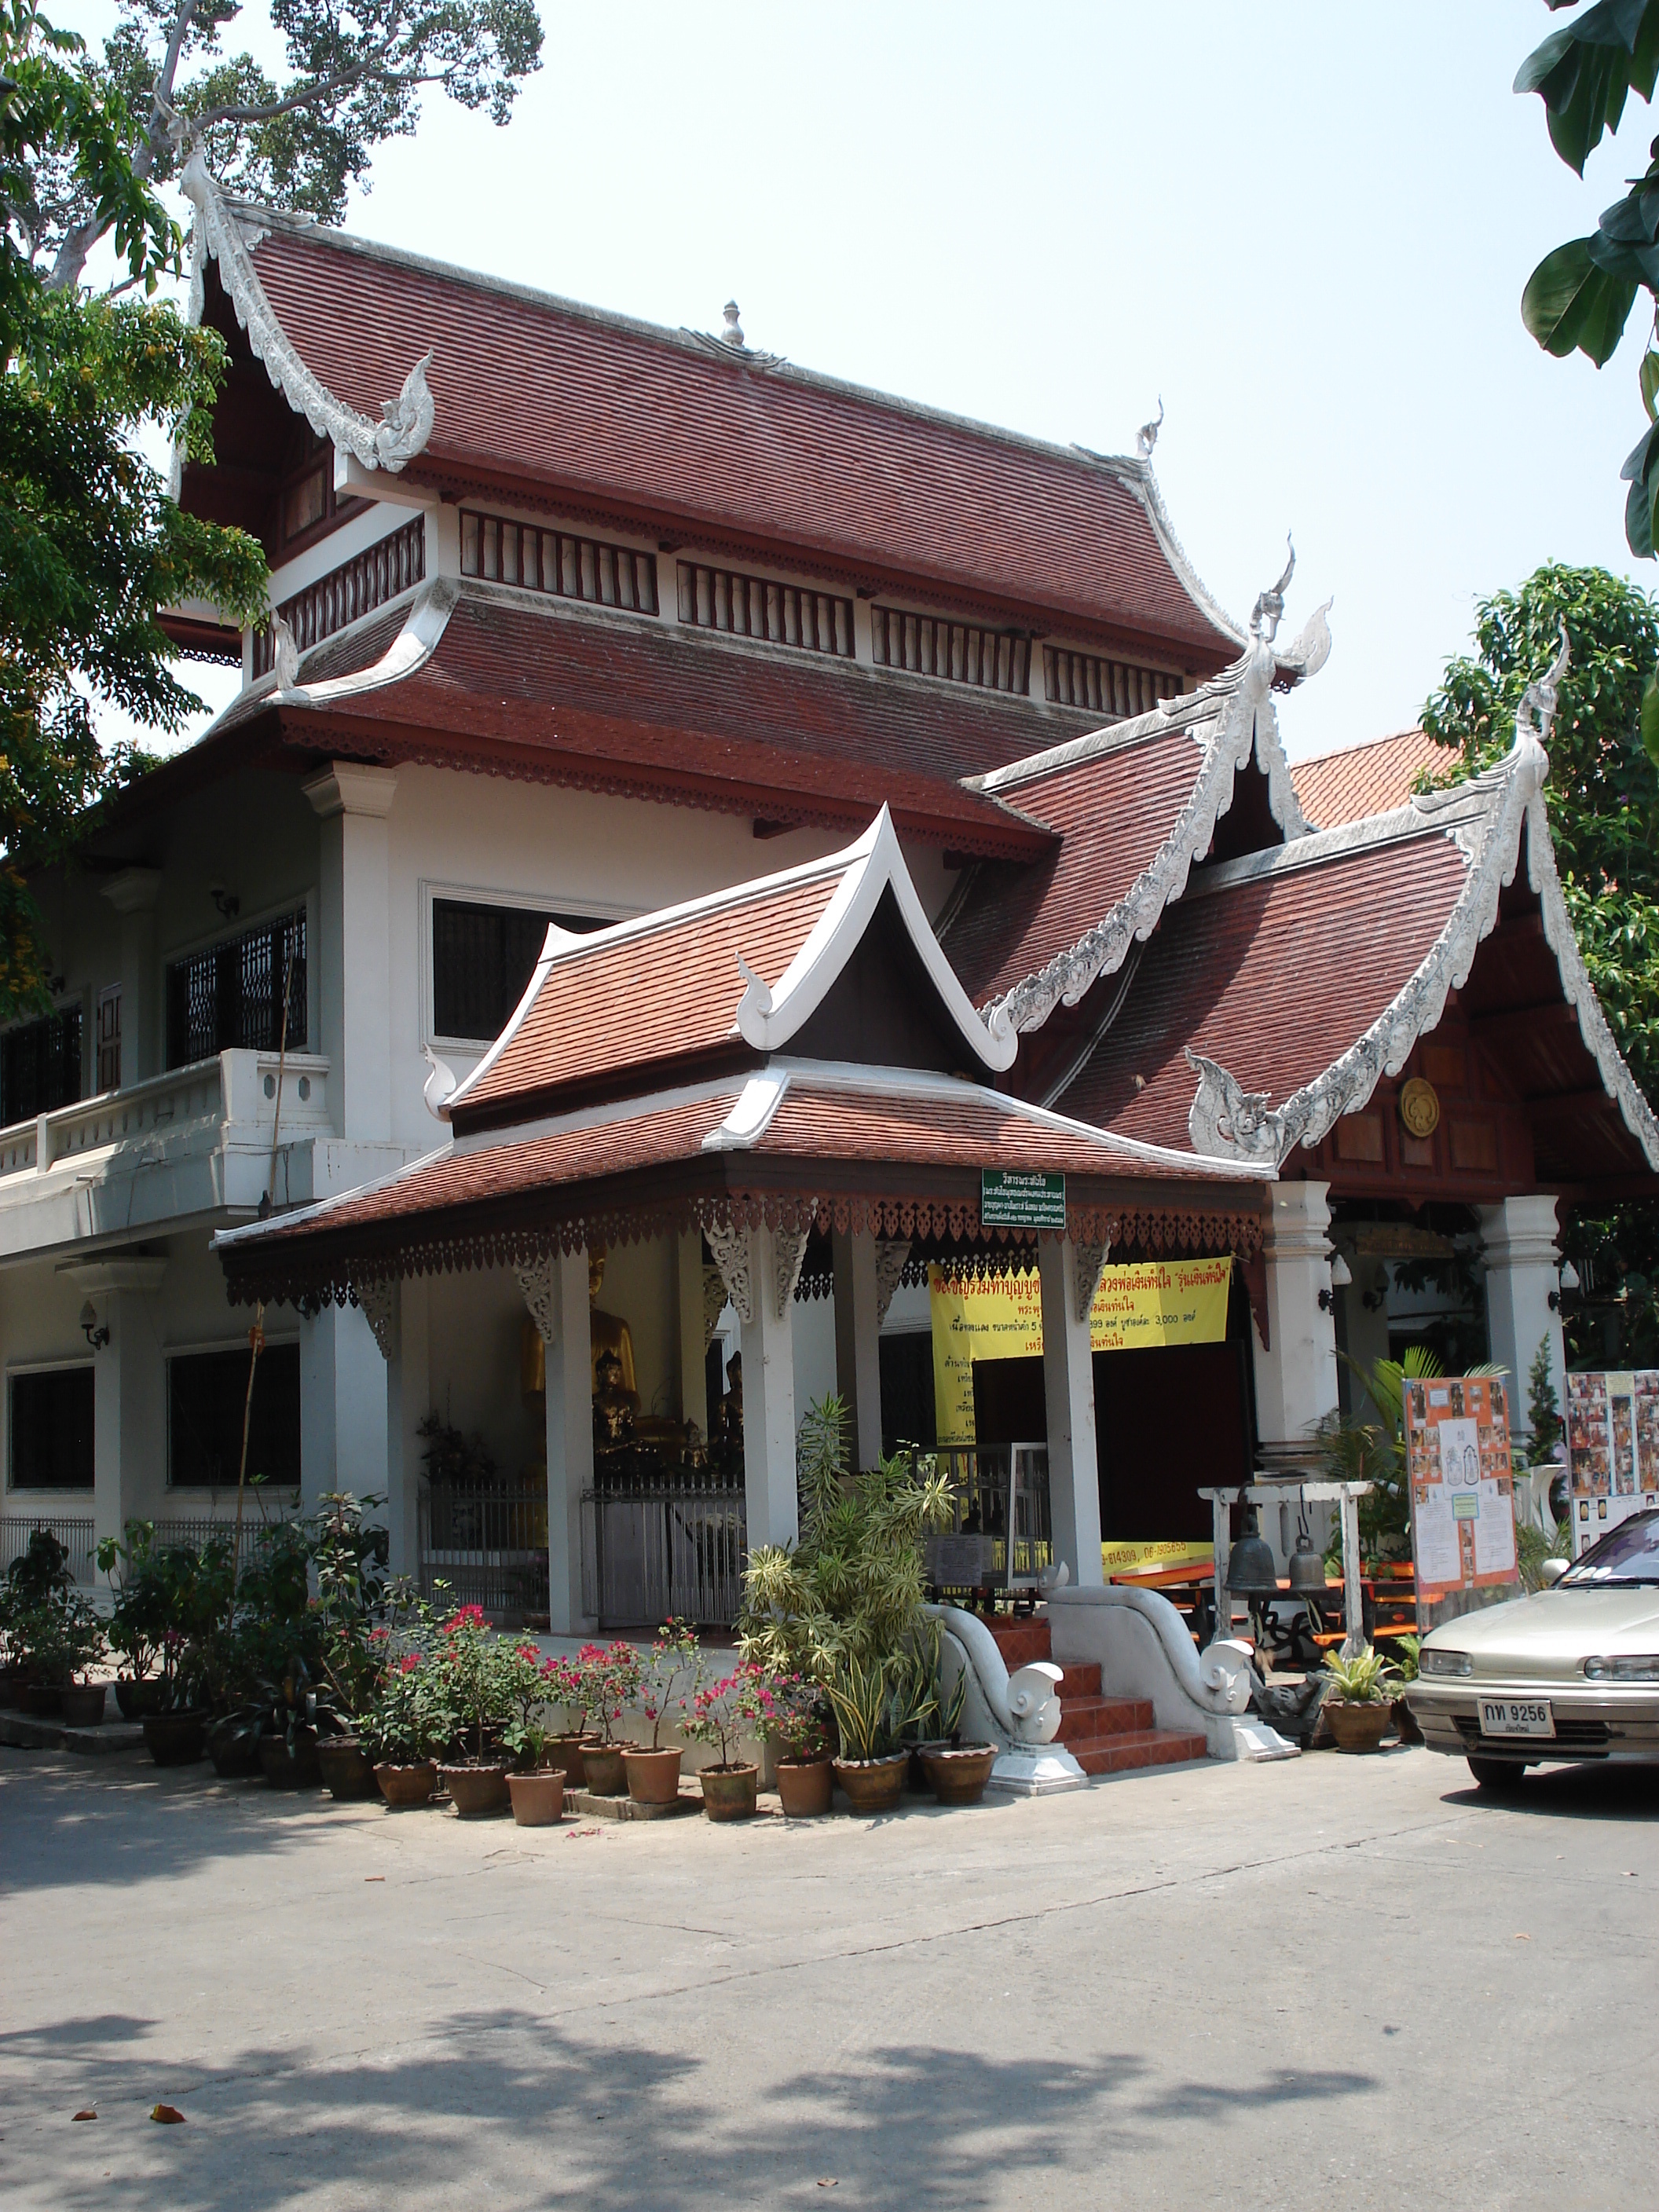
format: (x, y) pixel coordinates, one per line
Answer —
(232, 1087)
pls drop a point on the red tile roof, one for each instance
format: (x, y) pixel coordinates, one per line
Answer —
(1272, 974)
(1363, 780)
(596, 411)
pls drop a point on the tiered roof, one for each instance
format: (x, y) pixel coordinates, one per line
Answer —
(1361, 781)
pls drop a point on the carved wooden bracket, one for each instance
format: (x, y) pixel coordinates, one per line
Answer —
(540, 1294)
(378, 1302)
(889, 1266)
(1090, 1263)
(730, 1246)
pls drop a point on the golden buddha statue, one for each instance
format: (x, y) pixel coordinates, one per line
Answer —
(609, 1332)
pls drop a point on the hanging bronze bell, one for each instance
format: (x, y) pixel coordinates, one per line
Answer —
(1307, 1570)
(1251, 1568)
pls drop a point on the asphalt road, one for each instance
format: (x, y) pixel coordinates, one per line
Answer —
(1341, 1982)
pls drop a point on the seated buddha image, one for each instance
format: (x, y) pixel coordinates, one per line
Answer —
(609, 1336)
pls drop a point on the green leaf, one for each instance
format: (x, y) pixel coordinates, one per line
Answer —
(1569, 302)
(1649, 379)
(1651, 719)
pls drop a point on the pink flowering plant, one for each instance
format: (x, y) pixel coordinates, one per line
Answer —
(531, 1683)
(610, 1674)
(672, 1676)
(411, 1719)
(567, 1686)
(480, 1667)
(801, 1725)
(729, 1713)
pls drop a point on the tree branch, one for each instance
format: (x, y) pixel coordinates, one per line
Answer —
(309, 96)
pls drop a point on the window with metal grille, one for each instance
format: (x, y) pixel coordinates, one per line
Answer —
(40, 1066)
(753, 606)
(230, 994)
(207, 1396)
(503, 552)
(1104, 687)
(960, 652)
(49, 1426)
(483, 956)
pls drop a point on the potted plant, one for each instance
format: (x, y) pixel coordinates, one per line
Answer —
(566, 1688)
(35, 1592)
(872, 1713)
(473, 1660)
(610, 1678)
(537, 1786)
(672, 1675)
(1405, 1727)
(80, 1644)
(956, 1773)
(355, 1642)
(135, 1623)
(1360, 1712)
(726, 1716)
(191, 1588)
(407, 1723)
(800, 1728)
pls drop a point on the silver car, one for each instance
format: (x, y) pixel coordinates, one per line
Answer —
(1570, 1672)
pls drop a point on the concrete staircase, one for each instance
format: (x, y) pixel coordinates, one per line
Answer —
(1105, 1736)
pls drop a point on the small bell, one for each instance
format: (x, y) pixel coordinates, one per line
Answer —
(1307, 1570)
(1251, 1568)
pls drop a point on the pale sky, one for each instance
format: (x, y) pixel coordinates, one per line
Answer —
(1306, 226)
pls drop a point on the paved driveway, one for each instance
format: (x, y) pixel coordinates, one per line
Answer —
(1338, 1981)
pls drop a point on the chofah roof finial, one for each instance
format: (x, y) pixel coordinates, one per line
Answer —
(1270, 604)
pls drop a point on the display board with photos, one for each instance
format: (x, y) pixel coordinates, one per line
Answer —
(1463, 1501)
(1613, 1450)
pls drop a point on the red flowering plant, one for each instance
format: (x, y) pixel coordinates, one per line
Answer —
(727, 1714)
(801, 1726)
(610, 1677)
(479, 1668)
(567, 1686)
(672, 1675)
(532, 1683)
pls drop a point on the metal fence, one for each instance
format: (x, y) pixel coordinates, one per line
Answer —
(488, 1547)
(657, 1551)
(996, 1487)
(195, 1530)
(73, 1531)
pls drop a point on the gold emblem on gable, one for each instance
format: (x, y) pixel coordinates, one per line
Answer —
(1420, 1107)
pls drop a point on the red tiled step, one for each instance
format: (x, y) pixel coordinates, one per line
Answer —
(1080, 1681)
(1084, 1720)
(1141, 1747)
(1020, 1642)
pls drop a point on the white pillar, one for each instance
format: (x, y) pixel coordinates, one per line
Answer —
(1296, 1373)
(133, 895)
(1523, 1266)
(858, 1342)
(1068, 1383)
(694, 1332)
(344, 1429)
(556, 1292)
(409, 1397)
(768, 1386)
(129, 1415)
(352, 957)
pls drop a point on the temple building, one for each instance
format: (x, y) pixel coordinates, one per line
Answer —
(707, 865)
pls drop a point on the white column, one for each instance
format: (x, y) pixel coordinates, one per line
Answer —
(1523, 1266)
(352, 958)
(133, 895)
(1296, 1373)
(556, 1294)
(1068, 1383)
(693, 1333)
(129, 1447)
(409, 1398)
(767, 1346)
(345, 1430)
(858, 1342)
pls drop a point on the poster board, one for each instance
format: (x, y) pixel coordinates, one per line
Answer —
(1613, 1450)
(1001, 1317)
(1457, 1459)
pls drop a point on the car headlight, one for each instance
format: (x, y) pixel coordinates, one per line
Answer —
(1641, 1668)
(1447, 1663)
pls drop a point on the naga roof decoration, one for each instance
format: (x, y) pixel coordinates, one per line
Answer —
(405, 422)
(1138, 800)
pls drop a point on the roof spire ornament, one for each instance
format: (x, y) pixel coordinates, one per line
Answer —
(1270, 604)
(1147, 435)
(1535, 715)
(285, 654)
(732, 334)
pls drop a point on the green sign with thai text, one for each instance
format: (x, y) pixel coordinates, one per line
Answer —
(1009, 1199)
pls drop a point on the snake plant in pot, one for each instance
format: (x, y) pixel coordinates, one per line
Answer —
(1359, 1704)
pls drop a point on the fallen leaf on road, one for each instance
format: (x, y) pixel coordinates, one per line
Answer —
(373, 1877)
(168, 2115)
(830, 2184)
(1523, 1939)
(89, 2114)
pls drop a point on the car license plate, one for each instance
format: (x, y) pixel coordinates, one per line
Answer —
(1515, 1716)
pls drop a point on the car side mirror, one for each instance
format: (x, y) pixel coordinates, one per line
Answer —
(1552, 1571)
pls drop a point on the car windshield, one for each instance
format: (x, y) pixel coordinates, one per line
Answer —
(1628, 1554)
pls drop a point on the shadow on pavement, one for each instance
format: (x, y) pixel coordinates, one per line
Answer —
(1588, 1792)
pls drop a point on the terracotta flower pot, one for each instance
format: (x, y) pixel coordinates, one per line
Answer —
(874, 1785)
(1358, 1727)
(806, 1789)
(1405, 1723)
(286, 1769)
(477, 1791)
(233, 1748)
(138, 1695)
(602, 1764)
(566, 1752)
(175, 1738)
(728, 1792)
(347, 1769)
(40, 1700)
(653, 1777)
(958, 1776)
(538, 1797)
(403, 1786)
(81, 1705)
